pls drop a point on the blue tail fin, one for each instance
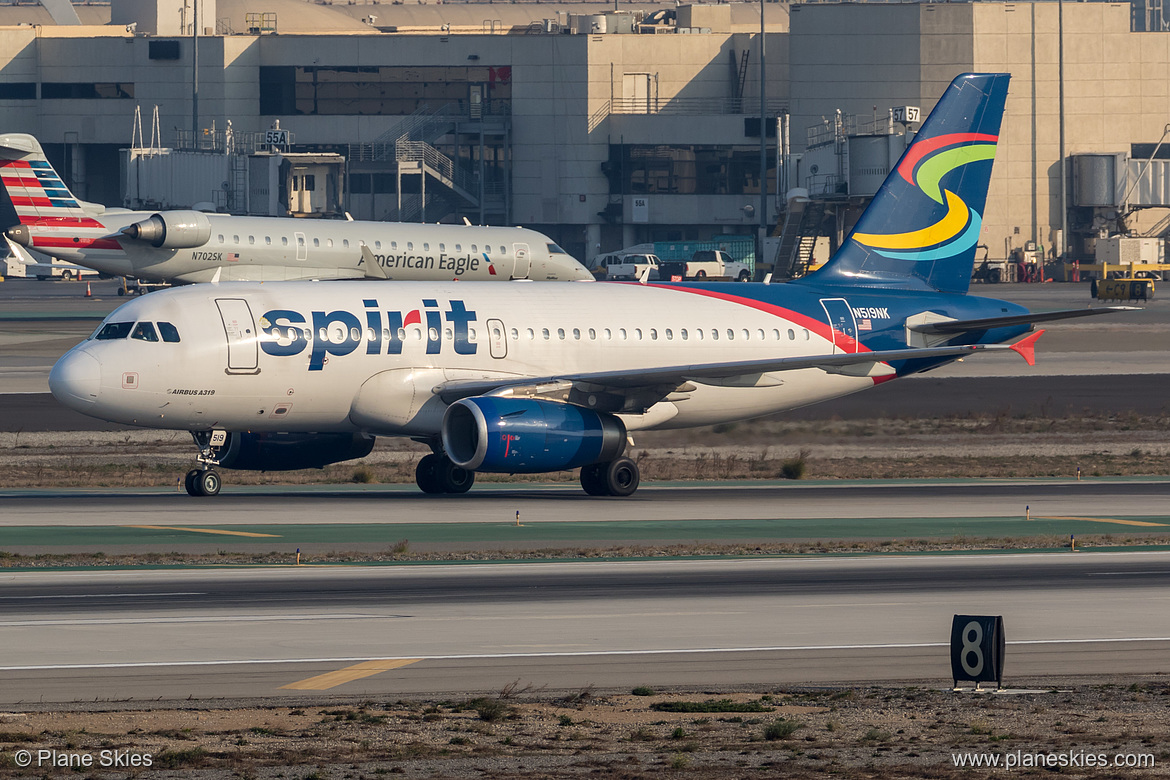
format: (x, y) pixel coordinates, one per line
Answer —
(921, 228)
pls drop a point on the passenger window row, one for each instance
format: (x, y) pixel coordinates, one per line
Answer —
(575, 334)
(328, 243)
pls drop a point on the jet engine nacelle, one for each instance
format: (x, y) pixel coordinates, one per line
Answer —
(288, 451)
(172, 229)
(524, 435)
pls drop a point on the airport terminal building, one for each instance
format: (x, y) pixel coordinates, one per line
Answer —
(603, 129)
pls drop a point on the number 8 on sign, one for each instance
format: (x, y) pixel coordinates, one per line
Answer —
(972, 637)
(977, 649)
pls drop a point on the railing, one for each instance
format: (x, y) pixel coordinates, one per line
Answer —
(225, 141)
(831, 130)
(694, 106)
(824, 184)
(686, 106)
(420, 151)
(257, 23)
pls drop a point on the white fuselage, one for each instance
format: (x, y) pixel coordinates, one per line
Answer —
(282, 249)
(349, 356)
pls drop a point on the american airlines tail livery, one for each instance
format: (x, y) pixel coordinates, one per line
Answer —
(531, 378)
(193, 246)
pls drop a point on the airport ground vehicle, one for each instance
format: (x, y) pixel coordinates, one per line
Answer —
(535, 378)
(66, 272)
(139, 287)
(626, 266)
(706, 264)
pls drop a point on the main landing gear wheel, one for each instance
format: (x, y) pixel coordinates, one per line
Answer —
(453, 478)
(202, 482)
(592, 480)
(617, 478)
(426, 474)
(437, 474)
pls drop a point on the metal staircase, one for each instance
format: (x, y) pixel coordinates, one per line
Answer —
(798, 238)
(410, 145)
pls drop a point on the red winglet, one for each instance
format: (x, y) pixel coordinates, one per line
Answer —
(1027, 347)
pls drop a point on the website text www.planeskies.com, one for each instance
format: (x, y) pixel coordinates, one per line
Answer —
(1062, 759)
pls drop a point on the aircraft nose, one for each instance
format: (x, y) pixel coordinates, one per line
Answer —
(573, 271)
(76, 380)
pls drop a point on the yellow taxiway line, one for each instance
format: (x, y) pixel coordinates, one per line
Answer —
(202, 530)
(324, 682)
(1107, 520)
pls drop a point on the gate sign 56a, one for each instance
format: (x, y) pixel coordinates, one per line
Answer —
(977, 648)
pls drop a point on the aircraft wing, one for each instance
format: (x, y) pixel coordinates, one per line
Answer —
(625, 380)
(944, 326)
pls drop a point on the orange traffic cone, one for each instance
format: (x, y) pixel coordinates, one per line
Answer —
(88, 292)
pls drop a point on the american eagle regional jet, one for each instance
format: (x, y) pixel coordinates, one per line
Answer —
(192, 246)
(530, 378)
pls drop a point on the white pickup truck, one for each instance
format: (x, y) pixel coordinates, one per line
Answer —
(626, 266)
(707, 264)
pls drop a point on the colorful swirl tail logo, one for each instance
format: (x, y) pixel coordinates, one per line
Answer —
(924, 167)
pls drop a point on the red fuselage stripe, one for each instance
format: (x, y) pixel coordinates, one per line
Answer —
(820, 327)
(75, 243)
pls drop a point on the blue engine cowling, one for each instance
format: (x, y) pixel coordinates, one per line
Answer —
(288, 451)
(527, 436)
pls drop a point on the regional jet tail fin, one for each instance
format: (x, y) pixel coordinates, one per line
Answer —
(920, 230)
(36, 191)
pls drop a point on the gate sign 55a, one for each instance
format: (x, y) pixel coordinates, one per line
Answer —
(977, 648)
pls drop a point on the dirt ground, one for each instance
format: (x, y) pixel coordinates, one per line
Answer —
(863, 732)
(980, 446)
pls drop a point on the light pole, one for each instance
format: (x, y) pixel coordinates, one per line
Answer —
(195, 75)
(1063, 183)
(761, 231)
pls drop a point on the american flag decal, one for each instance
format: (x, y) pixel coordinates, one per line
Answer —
(865, 325)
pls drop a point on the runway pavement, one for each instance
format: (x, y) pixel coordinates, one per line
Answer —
(453, 629)
(559, 521)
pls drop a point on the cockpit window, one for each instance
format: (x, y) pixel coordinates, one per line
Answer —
(553, 249)
(169, 332)
(114, 330)
(144, 331)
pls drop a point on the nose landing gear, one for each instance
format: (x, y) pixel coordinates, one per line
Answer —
(202, 482)
(205, 481)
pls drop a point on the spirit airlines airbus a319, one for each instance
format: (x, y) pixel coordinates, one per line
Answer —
(193, 246)
(530, 378)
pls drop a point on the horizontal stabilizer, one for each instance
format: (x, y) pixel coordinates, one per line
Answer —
(988, 323)
(1026, 347)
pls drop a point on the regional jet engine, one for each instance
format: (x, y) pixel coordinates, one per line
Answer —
(172, 229)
